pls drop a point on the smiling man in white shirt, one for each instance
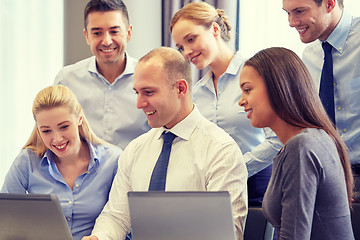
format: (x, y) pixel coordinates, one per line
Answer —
(203, 156)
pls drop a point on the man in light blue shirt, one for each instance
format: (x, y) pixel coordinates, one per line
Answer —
(319, 21)
(103, 83)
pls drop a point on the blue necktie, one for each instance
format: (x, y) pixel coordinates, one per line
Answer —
(326, 91)
(158, 177)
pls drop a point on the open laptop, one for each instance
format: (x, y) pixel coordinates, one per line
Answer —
(181, 215)
(32, 217)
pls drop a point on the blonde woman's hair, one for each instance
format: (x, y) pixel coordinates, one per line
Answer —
(52, 97)
(202, 13)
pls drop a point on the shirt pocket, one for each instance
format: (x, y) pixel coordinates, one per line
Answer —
(352, 93)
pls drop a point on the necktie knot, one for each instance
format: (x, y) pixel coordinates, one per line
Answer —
(168, 137)
(326, 47)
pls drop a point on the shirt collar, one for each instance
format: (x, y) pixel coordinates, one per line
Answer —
(186, 127)
(48, 157)
(92, 66)
(129, 68)
(235, 64)
(337, 38)
(233, 69)
(94, 159)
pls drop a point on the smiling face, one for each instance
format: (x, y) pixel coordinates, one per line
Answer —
(196, 42)
(156, 96)
(310, 20)
(59, 130)
(254, 98)
(107, 34)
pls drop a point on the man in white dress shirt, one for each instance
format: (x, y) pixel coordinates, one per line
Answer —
(203, 156)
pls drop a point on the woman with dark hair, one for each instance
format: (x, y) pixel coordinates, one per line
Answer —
(310, 190)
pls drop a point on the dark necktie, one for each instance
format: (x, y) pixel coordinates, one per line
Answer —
(158, 177)
(326, 91)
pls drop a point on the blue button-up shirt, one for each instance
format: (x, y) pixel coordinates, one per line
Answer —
(82, 204)
(259, 146)
(345, 40)
(110, 108)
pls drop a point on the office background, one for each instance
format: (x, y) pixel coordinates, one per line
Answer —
(39, 37)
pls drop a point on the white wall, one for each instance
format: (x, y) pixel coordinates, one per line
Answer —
(145, 16)
(266, 26)
(75, 47)
(31, 53)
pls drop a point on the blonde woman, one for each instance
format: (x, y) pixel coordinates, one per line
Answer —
(201, 32)
(64, 157)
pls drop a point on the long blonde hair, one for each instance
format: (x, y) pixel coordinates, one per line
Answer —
(204, 14)
(52, 97)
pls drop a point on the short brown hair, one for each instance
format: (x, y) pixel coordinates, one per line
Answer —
(174, 64)
(105, 6)
(340, 3)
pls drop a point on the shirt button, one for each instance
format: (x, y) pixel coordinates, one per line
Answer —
(77, 185)
(339, 108)
(68, 219)
(88, 172)
(345, 130)
(70, 202)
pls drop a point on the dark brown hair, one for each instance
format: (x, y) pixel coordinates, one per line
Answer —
(105, 6)
(294, 99)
